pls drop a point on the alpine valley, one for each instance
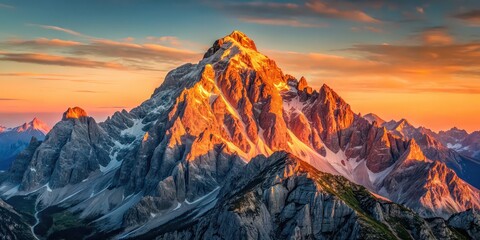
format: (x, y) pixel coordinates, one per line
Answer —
(233, 148)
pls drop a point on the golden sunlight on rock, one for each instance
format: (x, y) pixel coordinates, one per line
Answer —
(75, 112)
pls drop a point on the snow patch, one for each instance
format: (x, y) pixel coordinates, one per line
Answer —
(136, 130)
(310, 156)
(455, 146)
(375, 177)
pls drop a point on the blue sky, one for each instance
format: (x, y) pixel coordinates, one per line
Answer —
(204, 21)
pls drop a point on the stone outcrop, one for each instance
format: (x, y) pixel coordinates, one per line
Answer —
(282, 197)
(74, 148)
(13, 225)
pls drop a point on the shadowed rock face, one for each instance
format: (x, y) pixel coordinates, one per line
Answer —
(468, 221)
(75, 147)
(13, 225)
(282, 197)
(203, 125)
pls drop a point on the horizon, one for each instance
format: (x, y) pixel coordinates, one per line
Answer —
(412, 60)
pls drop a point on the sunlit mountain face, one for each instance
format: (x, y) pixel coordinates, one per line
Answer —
(313, 120)
(15, 140)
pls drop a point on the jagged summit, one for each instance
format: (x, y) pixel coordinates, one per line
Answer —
(372, 117)
(414, 152)
(241, 38)
(73, 113)
(236, 37)
(455, 130)
(35, 124)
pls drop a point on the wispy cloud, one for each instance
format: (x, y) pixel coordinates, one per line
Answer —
(436, 36)
(147, 51)
(472, 16)
(420, 10)
(146, 56)
(166, 40)
(60, 29)
(283, 22)
(41, 42)
(2, 5)
(41, 58)
(324, 9)
(366, 28)
(31, 74)
(304, 14)
(9, 99)
(447, 67)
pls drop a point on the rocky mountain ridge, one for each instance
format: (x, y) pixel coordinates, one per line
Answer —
(282, 197)
(172, 156)
(443, 146)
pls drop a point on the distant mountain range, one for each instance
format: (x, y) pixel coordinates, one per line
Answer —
(233, 148)
(14, 140)
(455, 147)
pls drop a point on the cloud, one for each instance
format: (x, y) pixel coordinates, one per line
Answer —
(436, 36)
(420, 10)
(167, 40)
(47, 59)
(366, 28)
(61, 29)
(448, 68)
(31, 74)
(10, 99)
(146, 56)
(325, 10)
(6, 6)
(472, 16)
(147, 51)
(282, 22)
(41, 42)
(304, 14)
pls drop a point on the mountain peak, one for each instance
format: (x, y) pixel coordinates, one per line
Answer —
(242, 39)
(235, 38)
(39, 125)
(35, 124)
(73, 113)
(372, 117)
(414, 152)
(402, 123)
(455, 129)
